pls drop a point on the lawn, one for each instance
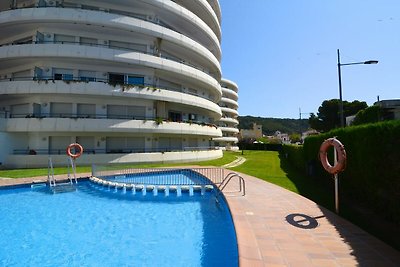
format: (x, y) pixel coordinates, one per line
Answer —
(270, 167)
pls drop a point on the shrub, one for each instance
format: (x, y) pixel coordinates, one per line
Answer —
(372, 174)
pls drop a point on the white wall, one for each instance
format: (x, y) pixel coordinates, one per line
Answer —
(30, 161)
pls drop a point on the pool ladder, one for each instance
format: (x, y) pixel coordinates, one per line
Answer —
(228, 178)
(50, 174)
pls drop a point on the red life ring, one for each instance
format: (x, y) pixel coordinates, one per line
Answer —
(77, 154)
(341, 156)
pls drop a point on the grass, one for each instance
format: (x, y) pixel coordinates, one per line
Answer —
(270, 167)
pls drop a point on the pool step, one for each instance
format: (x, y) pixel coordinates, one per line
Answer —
(154, 189)
(63, 188)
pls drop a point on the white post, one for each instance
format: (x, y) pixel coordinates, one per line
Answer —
(336, 177)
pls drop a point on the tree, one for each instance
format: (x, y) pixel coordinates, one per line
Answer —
(328, 116)
(369, 115)
(295, 137)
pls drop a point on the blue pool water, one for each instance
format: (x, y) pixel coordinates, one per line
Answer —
(174, 177)
(96, 227)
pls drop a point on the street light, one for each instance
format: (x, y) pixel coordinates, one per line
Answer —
(368, 62)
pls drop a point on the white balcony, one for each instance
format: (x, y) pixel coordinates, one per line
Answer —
(229, 84)
(230, 102)
(77, 21)
(229, 121)
(103, 90)
(101, 56)
(229, 129)
(79, 125)
(230, 110)
(226, 92)
(226, 139)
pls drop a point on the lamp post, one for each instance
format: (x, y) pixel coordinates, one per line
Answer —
(368, 62)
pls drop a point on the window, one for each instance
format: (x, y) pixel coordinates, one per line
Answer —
(19, 110)
(87, 142)
(128, 46)
(125, 144)
(86, 110)
(114, 78)
(58, 144)
(57, 76)
(126, 112)
(175, 116)
(61, 109)
(134, 80)
(87, 76)
(63, 74)
(192, 117)
(65, 77)
(60, 38)
(88, 41)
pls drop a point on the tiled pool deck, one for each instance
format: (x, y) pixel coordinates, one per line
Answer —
(276, 227)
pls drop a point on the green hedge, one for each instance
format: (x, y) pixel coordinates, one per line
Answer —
(295, 156)
(372, 174)
(259, 146)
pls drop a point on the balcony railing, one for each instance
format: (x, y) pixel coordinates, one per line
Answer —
(66, 115)
(84, 79)
(109, 151)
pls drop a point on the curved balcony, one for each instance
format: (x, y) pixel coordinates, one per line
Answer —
(204, 10)
(229, 129)
(229, 120)
(107, 24)
(229, 93)
(172, 14)
(226, 139)
(229, 84)
(232, 103)
(216, 7)
(103, 89)
(102, 22)
(99, 55)
(88, 125)
(230, 111)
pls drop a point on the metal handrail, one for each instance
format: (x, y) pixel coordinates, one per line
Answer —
(50, 173)
(228, 178)
(71, 164)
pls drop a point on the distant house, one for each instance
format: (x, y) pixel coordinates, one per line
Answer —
(284, 137)
(254, 133)
(305, 134)
(391, 108)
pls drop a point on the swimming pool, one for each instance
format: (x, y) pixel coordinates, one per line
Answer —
(96, 226)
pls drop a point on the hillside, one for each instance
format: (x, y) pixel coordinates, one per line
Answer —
(270, 125)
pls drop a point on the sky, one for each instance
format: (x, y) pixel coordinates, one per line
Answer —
(283, 53)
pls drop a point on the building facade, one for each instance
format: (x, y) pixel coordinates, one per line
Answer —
(248, 134)
(229, 121)
(390, 109)
(131, 81)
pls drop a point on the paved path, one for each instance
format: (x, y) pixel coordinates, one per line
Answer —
(238, 161)
(276, 227)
